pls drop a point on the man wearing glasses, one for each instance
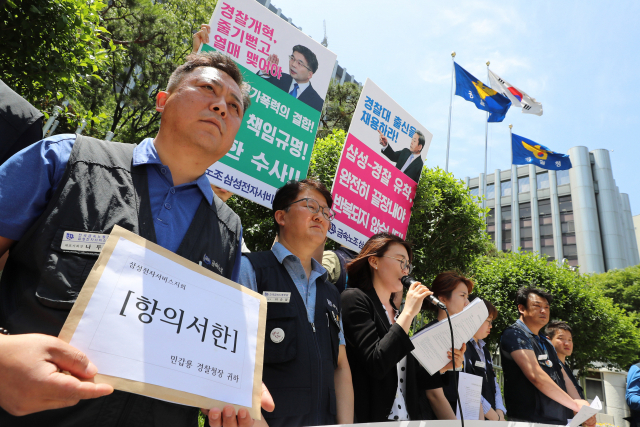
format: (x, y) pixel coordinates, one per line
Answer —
(302, 65)
(305, 362)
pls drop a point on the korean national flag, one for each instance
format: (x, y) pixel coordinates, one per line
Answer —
(518, 97)
(526, 151)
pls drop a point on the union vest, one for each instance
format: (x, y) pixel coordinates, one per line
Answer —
(100, 188)
(520, 393)
(487, 373)
(634, 418)
(298, 371)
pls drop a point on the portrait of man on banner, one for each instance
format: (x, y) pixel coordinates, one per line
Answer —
(407, 160)
(303, 64)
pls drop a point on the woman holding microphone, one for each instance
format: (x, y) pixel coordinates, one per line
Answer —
(388, 382)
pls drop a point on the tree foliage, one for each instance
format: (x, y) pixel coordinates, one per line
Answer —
(50, 48)
(339, 105)
(622, 286)
(602, 331)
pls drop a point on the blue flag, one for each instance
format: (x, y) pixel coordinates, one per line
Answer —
(484, 97)
(526, 151)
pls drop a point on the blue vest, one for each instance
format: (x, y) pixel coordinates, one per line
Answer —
(100, 188)
(298, 371)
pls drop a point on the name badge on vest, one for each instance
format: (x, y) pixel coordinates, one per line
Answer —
(543, 357)
(271, 296)
(480, 364)
(83, 242)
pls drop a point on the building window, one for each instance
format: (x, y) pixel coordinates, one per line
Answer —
(562, 177)
(505, 188)
(523, 185)
(594, 386)
(491, 191)
(474, 191)
(569, 248)
(546, 229)
(506, 228)
(542, 180)
(526, 229)
(491, 224)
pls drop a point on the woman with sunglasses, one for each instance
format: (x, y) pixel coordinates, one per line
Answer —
(388, 382)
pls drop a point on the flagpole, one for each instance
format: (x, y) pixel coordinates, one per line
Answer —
(453, 60)
(486, 144)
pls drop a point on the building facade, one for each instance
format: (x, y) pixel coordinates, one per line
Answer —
(578, 215)
(636, 225)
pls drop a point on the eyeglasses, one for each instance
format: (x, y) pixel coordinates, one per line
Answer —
(404, 263)
(490, 322)
(314, 208)
(297, 61)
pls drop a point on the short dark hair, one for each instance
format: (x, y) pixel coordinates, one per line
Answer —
(309, 56)
(214, 60)
(289, 192)
(523, 295)
(359, 271)
(421, 139)
(443, 286)
(555, 326)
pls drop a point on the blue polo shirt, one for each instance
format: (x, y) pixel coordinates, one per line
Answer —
(31, 176)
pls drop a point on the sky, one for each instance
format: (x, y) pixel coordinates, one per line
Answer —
(579, 59)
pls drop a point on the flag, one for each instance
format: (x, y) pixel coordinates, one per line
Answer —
(526, 151)
(517, 97)
(484, 97)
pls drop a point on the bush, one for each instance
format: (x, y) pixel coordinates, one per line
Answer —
(602, 331)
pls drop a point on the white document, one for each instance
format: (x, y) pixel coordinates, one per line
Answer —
(470, 392)
(585, 413)
(431, 344)
(153, 320)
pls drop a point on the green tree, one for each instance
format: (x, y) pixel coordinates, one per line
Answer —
(622, 286)
(339, 105)
(593, 316)
(154, 38)
(50, 48)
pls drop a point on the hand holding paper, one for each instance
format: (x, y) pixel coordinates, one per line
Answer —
(585, 413)
(30, 375)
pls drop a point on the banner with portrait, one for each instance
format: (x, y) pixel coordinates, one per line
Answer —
(288, 74)
(378, 172)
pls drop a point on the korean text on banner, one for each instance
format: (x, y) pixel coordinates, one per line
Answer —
(159, 325)
(378, 171)
(288, 75)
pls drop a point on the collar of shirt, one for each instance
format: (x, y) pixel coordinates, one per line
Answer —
(479, 348)
(283, 253)
(301, 86)
(145, 154)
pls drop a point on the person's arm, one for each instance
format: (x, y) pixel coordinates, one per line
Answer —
(440, 404)
(344, 389)
(201, 37)
(528, 364)
(500, 409)
(5, 244)
(632, 394)
(391, 155)
(571, 389)
(491, 415)
(486, 407)
(31, 375)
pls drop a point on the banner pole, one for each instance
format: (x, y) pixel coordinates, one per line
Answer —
(453, 60)
(486, 144)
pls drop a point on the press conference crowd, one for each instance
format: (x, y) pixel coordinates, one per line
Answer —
(337, 352)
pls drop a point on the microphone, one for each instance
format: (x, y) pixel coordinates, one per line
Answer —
(407, 281)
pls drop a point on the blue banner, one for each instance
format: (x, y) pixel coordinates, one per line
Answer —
(526, 151)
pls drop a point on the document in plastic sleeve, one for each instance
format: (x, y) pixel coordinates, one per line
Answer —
(585, 413)
(433, 343)
(470, 391)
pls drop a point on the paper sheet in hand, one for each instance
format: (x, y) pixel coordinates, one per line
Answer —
(585, 413)
(470, 391)
(432, 343)
(159, 325)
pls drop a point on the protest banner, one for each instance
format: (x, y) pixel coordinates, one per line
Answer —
(376, 180)
(288, 74)
(159, 325)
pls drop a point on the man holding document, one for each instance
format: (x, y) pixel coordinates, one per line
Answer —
(534, 384)
(70, 184)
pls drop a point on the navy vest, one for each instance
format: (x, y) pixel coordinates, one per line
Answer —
(487, 373)
(100, 188)
(298, 371)
(520, 394)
